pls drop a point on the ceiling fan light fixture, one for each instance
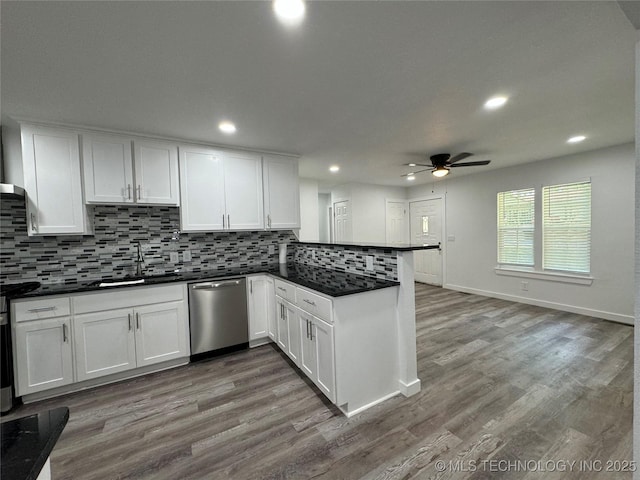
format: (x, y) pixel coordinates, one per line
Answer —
(289, 12)
(411, 177)
(440, 171)
(577, 139)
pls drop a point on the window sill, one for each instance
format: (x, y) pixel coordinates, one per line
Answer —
(549, 276)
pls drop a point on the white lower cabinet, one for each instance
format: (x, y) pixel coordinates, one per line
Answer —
(288, 338)
(160, 332)
(99, 334)
(317, 353)
(43, 352)
(261, 308)
(104, 342)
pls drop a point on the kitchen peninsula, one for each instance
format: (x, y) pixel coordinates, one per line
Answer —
(355, 326)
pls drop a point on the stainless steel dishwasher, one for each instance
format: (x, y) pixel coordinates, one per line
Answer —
(218, 316)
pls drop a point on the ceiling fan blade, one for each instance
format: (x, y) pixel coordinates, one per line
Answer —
(418, 171)
(460, 156)
(471, 164)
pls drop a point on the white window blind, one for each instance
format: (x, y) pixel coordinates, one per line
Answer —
(566, 227)
(515, 227)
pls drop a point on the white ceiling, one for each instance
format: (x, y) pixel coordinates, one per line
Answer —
(366, 85)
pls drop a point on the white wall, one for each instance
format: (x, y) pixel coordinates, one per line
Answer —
(324, 202)
(368, 208)
(471, 217)
(308, 210)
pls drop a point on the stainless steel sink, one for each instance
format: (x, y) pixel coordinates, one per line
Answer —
(115, 282)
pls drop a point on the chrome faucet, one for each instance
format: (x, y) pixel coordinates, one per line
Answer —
(139, 260)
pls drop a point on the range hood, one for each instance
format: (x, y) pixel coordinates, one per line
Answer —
(11, 191)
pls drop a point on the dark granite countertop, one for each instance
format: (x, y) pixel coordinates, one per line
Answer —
(27, 442)
(330, 282)
(401, 247)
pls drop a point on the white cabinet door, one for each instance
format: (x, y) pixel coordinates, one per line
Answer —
(258, 307)
(272, 325)
(156, 173)
(322, 335)
(108, 171)
(160, 332)
(283, 327)
(51, 161)
(43, 355)
(308, 353)
(281, 192)
(104, 342)
(201, 190)
(293, 324)
(243, 191)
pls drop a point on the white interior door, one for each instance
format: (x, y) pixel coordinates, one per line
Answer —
(396, 222)
(342, 221)
(426, 227)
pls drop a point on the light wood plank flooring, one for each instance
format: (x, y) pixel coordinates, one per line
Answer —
(501, 382)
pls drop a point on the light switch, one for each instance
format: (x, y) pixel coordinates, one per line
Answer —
(186, 256)
(368, 262)
(173, 257)
(272, 249)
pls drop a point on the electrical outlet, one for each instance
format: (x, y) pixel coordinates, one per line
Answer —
(368, 263)
(524, 286)
(272, 249)
(186, 256)
(173, 257)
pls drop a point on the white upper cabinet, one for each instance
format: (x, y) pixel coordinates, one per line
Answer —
(281, 192)
(108, 169)
(52, 179)
(220, 190)
(243, 191)
(113, 175)
(156, 172)
(201, 190)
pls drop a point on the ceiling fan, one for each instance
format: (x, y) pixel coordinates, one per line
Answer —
(442, 162)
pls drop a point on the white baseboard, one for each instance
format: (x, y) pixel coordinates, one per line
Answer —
(351, 413)
(614, 317)
(409, 389)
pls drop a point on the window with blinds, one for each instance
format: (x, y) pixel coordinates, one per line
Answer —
(566, 227)
(516, 216)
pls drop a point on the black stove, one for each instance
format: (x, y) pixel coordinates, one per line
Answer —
(6, 355)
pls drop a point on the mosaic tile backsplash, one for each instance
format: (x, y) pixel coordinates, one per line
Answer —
(111, 251)
(385, 262)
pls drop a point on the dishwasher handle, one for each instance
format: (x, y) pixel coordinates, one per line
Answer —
(214, 285)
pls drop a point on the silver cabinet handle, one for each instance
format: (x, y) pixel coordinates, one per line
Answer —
(64, 332)
(309, 302)
(137, 320)
(311, 337)
(307, 328)
(213, 285)
(34, 227)
(282, 289)
(129, 318)
(139, 192)
(129, 191)
(223, 221)
(41, 309)
(228, 221)
(269, 220)
(251, 286)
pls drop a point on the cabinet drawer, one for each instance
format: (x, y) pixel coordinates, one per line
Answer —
(285, 290)
(38, 309)
(314, 304)
(127, 298)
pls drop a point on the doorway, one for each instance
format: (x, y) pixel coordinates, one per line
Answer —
(342, 221)
(397, 225)
(426, 227)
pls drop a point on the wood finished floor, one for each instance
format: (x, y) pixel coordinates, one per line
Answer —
(501, 381)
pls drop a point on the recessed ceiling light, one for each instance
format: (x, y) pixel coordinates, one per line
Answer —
(334, 168)
(411, 178)
(411, 164)
(495, 102)
(227, 127)
(576, 139)
(289, 12)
